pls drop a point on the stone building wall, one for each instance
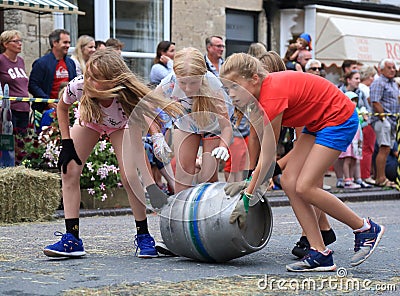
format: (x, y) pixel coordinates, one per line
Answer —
(28, 24)
(193, 21)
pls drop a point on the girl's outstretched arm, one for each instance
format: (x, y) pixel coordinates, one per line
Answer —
(268, 152)
(63, 119)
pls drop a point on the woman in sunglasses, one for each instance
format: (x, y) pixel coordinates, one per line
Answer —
(314, 67)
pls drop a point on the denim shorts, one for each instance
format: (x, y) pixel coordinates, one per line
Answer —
(337, 137)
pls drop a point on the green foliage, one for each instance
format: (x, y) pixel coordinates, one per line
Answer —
(99, 174)
(101, 170)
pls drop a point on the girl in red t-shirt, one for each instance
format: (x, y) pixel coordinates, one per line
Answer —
(330, 121)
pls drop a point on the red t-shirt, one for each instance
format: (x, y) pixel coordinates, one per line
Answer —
(305, 100)
(60, 75)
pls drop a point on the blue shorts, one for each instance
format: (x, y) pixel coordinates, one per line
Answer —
(337, 137)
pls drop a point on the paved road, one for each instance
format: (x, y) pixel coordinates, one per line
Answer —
(110, 268)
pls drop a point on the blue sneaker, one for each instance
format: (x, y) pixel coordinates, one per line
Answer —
(147, 246)
(314, 261)
(68, 246)
(366, 242)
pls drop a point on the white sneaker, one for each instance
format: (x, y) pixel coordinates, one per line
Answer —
(326, 187)
(163, 249)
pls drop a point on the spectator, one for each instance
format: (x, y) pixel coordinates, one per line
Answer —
(303, 42)
(12, 72)
(313, 67)
(257, 49)
(163, 62)
(347, 67)
(391, 161)
(351, 83)
(384, 97)
(215, 47)
(367, 75)
(350, 80)
(303, 58)
(85, 47)
(99, 44)
(115, 44)
(352, 155)
(49, 71)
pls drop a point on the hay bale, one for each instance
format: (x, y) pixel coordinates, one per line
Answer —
(28, 195)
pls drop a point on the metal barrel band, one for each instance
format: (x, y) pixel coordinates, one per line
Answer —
(194, 227)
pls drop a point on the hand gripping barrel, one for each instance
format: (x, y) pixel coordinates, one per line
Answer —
(195, 224)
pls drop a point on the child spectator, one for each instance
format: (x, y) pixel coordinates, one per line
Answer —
(353, 154)
(303, 42)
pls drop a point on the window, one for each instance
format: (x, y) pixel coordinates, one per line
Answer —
(241, 30)
(139, 24)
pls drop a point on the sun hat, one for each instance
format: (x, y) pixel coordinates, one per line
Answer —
(307, 38)
(351, 95)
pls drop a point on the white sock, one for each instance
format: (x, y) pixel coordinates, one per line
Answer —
(365, 227)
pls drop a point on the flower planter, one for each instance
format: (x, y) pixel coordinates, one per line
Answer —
(117, 198)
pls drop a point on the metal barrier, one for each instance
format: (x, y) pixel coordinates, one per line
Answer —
(7, 139)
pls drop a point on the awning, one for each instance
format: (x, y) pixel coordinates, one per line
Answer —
(42, 6)
(367, 40)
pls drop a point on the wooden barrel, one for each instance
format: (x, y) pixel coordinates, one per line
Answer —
(195, 224)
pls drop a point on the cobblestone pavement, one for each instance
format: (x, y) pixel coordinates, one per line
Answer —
(110, 268)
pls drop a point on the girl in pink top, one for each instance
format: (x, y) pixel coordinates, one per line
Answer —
(299, 99)
(112, 101)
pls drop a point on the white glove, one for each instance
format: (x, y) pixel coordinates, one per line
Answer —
(220, 153)
(161, 148)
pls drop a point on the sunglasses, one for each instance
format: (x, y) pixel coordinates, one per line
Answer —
(316, 68)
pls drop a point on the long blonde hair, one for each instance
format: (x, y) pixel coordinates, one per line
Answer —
(245, 66)
(107, 67)
(242, 65)
(188, 62)
(78, 53)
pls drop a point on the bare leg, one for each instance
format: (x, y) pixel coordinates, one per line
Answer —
(209, 165)
(186, 147)
(338, 168)
(347, 167)
(84, 139)
(300, 182)
(128, 171)
(380, 162)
